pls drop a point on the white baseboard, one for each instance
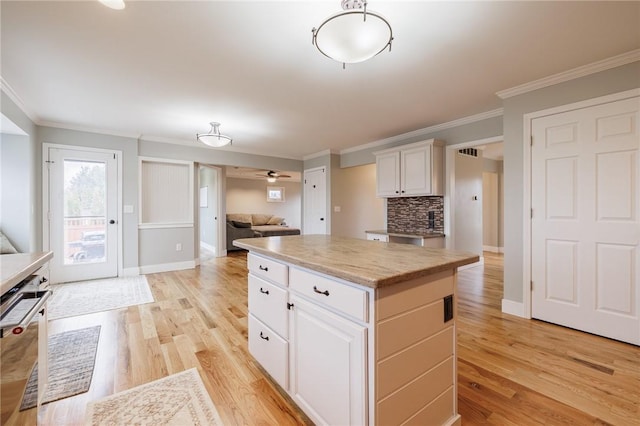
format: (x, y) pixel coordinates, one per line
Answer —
(131, 272)
(493, 249)
(472, 265)
(208, 247)
(166, 267)
(513, 308)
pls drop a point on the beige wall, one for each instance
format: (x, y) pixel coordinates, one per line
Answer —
(490, 210)
(354, 191)
(250, 196)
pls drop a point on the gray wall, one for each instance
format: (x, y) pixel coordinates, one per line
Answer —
(129, 149)
(603, 83)
(482, 129)
(16, 198)
(31, 162)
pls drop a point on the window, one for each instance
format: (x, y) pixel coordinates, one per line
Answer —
(275, 194)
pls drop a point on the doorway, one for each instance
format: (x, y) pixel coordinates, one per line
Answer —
(81, 226)
(210, 181)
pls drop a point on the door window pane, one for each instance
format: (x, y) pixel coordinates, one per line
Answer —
(84, 211)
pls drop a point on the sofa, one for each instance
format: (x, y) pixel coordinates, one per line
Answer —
(243, 225)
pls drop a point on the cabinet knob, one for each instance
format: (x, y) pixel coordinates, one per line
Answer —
(262, 336)
(326, 292)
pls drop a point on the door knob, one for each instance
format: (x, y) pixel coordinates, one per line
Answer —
(111, 222)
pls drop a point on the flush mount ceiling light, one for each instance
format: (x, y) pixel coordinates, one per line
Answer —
(214, 138)
(113, 4)
(354, 35)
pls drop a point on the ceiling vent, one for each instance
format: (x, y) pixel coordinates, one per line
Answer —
(471, 152)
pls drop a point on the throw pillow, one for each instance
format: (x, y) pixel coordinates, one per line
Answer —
(239, 217)
(275, 220)
(260, 219)
(241, 224)
(5, 245)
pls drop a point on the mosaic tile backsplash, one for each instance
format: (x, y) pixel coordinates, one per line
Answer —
(411, 214)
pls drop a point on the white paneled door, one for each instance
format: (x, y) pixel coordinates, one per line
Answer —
(82, 226)
(315, 202)
(585, 221)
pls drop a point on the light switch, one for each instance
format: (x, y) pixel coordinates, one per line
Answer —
(336, 209)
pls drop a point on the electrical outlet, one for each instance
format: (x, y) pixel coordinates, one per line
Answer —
(179, 247)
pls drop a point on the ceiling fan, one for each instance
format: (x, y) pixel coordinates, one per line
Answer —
(272, 176)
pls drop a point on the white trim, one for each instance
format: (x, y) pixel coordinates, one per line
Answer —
(513, 308)
(165, 225)
(320, 154)
(130, 272)
(427, 130)
(208, 247)
(8, 90)
(472, 265)
(592, 68)
(449, 182)
(526, 180)
(167, 267)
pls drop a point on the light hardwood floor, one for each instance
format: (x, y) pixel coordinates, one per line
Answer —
(511, 371)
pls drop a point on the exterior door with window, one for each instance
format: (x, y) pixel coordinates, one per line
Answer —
(586, 225)
(82, 216)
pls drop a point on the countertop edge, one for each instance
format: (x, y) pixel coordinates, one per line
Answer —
(406, 234)
(341, 274)
(24, 269)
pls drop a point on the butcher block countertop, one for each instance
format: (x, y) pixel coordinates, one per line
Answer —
(368, 263)
(16, 267)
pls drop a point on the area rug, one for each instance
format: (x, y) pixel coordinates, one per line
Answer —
(87, 297)
(72, 356)
(180, 399)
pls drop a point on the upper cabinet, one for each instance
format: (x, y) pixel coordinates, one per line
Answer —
(411, 170)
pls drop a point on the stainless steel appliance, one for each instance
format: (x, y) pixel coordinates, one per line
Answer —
(23, 341)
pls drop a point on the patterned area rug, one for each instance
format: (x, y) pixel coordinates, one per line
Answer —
(72, 356)
(180, 399)
(87, 297)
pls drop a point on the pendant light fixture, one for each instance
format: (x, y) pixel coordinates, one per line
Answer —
(113, 4)
(353, 35)
(214, 138)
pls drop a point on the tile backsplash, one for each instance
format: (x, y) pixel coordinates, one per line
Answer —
(411, 214)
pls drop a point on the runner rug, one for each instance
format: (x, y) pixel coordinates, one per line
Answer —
(179, 399)
(87, 297)
(72, 356)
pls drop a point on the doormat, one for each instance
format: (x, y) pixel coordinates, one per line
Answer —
(179, 399)
(72, 356)
(87, 297)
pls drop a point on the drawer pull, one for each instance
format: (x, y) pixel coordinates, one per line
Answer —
(264, 291)
(264, 268)
(262, 336)
(326, 292)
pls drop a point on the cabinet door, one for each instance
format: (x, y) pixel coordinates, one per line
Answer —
(388, 174)
(328, 365)
(378, 237)
(415, 168)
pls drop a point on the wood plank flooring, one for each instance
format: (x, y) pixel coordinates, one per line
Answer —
(511, 371)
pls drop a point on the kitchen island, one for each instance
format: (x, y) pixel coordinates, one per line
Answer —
(356, 331)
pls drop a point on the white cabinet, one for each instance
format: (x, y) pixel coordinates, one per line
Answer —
(377, 237)
(411, 170)
(328, 365)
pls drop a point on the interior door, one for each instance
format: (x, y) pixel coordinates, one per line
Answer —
(585, 225)
(315, 202)
(83, 228)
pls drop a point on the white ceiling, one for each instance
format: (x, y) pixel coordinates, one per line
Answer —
(164, 70)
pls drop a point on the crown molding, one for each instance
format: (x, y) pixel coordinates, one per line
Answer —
(6, 88)
(427, 130)
(88, 129)
(606, 64)
(320, 154)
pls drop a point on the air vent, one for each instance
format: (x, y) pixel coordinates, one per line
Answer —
(471, 152)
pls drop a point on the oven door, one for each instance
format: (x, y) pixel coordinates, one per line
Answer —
(20, 326)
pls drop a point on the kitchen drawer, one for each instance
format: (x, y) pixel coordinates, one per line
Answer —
(349, 300)
(270, 350)
(267, 268)
(268, 303)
